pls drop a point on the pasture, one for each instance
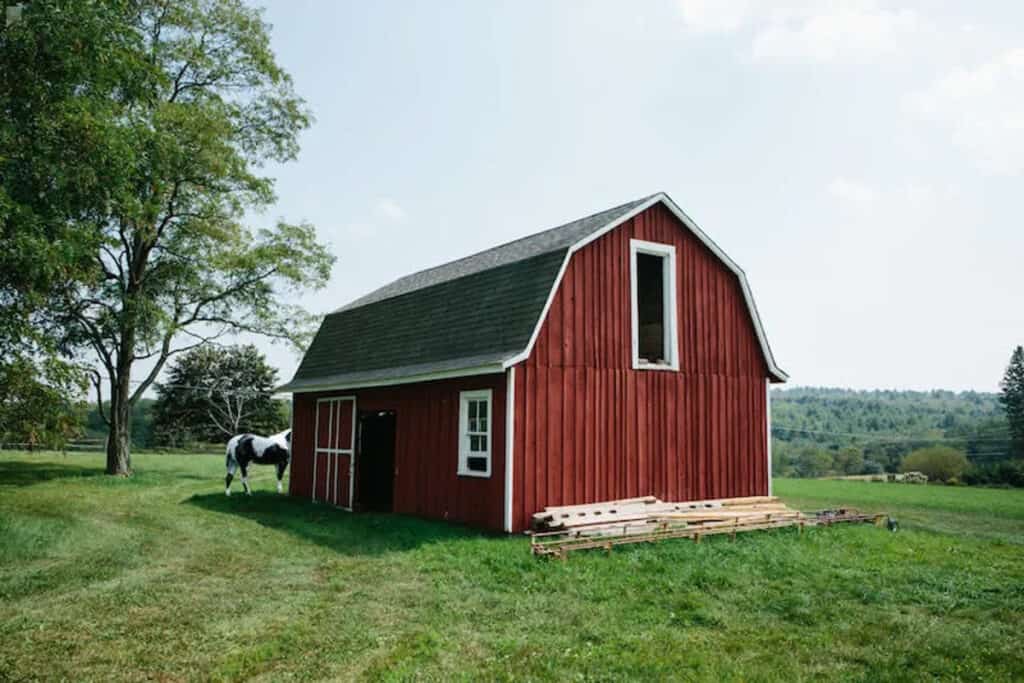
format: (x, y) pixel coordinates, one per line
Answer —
(160, 577)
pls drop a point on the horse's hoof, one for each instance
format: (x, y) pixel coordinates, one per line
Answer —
(227, 493)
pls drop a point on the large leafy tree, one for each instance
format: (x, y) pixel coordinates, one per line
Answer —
(214, 392)
(39, 407)
(1012, 398)
(132, 140)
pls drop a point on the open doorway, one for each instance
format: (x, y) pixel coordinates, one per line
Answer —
(376, 460)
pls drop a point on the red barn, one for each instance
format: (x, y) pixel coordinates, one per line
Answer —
(618, 355)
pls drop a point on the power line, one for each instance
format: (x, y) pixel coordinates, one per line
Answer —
(898, 439)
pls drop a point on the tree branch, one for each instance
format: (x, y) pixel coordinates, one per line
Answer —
(94, 375)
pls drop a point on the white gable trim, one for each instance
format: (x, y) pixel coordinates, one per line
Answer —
(663, 198)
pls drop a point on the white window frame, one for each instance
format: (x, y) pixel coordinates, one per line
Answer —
(464, 453)
(667, 252)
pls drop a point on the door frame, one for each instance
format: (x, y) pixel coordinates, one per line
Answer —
(335, 452)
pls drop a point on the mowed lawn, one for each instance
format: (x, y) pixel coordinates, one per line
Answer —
(160, 577)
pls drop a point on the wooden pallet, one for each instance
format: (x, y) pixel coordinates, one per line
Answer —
(565, 529)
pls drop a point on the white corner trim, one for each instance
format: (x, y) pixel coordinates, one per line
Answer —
(768, 427)
(663, 198)
(668, 283)
(464, 452)
(510, 421)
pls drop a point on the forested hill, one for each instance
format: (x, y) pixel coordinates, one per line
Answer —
(904, 413)
(887, 424)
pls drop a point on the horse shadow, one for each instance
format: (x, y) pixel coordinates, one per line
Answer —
(346, 533)
(18, 473)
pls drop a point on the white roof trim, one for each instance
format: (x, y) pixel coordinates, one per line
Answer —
(748, 296)
(391, 381)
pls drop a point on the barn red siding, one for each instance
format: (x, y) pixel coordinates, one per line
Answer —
(588, 427)
(426, 449)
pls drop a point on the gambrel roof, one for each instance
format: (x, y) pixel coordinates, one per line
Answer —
(475, 315)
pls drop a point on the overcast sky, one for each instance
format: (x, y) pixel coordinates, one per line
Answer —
(862, 161)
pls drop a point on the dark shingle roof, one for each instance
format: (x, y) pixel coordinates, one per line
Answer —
(554, 239)
(475, 311)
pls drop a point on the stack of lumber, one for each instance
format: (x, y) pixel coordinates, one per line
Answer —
(559, 530)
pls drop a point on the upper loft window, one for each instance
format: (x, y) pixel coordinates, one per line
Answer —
(475, 433)
(653, 292)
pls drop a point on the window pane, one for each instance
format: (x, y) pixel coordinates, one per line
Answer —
(473, 425)
(483, 408)
(476, 464)
(483, 424)
(650, 308)
(472, 409)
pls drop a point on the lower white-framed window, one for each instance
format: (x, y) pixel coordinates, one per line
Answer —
(652, 276)
(475, 429)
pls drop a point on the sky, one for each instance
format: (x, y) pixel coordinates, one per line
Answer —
(862, 161)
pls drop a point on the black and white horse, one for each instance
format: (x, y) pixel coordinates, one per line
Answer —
(248, 449)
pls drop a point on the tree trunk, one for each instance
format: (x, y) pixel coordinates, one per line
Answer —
(119, 440)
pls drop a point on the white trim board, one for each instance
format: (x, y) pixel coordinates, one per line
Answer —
(510, 421)
(663, 198)
(409, 379)
(768, 427)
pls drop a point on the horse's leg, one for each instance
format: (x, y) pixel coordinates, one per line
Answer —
(231, 465)
(281, 466)
(245, 477)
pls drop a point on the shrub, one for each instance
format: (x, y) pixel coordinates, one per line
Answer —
(1006, 473)
(952, 481)
(938, 462)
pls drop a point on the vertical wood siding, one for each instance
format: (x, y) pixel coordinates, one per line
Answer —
(426, 449)
(588, 427)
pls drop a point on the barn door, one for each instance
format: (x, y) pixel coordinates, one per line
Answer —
(334, 455)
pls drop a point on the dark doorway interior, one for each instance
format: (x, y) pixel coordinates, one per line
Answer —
(376, 460)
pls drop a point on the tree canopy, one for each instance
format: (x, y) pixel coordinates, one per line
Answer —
(132, 143)
(213, 393)
(1012, 398)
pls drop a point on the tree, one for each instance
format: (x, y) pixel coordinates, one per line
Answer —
(940, 463)
(38, 406)
(155, 119)
(215, 392)
(1012, 398)
(849, 460)
(812, 461)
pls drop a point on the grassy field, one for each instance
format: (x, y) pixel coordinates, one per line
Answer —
(160, 577)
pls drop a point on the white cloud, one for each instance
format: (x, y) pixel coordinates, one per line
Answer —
(821, 32)
(983, 110)
(846, 34)
(390, 209)
(852, 191)
(716, 15)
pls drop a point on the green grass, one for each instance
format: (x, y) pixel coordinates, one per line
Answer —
(160, 577)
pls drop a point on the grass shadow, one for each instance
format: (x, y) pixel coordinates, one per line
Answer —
(24, 473)
(342, 532)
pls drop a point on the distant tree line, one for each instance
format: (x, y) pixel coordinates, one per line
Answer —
(832, 432)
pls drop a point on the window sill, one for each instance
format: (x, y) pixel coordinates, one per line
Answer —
(470, 473)
(644, 365)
